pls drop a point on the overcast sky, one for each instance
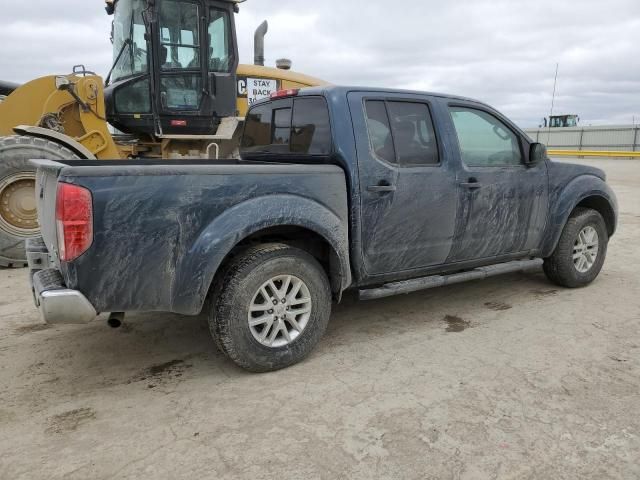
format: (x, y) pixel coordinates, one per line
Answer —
(503, 52)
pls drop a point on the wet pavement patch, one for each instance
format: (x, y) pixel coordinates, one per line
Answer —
(166, 368)
(38, 327)
(498, 306)
(456, 324)
(162, 373)
(71, 420)
(617, 359)
(544, 293)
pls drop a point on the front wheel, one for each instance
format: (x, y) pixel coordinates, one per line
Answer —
(272, 306)
(581, 250)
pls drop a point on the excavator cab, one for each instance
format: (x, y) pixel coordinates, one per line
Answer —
(562, 121)
(174, 67)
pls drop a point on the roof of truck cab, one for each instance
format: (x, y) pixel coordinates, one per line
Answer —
(338, 92)
(344, 89)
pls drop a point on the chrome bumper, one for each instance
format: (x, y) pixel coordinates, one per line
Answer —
(57, 304)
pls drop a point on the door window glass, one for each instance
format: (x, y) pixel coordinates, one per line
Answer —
(219, 44)
(484, 140)
(413, 134)
(380, 130)
(179, 39)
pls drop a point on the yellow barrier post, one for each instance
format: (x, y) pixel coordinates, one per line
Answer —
(593, 153)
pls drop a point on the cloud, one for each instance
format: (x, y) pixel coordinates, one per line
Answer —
(503, 52)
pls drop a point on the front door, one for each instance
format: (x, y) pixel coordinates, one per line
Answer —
(502, 203)
(180, 58)
(407, 184)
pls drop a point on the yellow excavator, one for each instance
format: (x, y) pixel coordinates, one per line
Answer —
(175, 91)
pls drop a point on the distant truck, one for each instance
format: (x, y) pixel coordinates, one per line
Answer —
(560, 121)
(381, 191)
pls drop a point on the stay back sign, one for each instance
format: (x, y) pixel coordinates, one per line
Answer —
(256, 88)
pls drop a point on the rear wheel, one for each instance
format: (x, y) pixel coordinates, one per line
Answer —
(272, 307)
(581, 250)
(18, 212)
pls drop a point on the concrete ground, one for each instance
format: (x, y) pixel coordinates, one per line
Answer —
(507, 378)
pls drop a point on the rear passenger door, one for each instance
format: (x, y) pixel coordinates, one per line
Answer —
(502, 203)
(407, 184)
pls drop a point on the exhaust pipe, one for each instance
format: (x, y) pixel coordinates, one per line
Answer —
(258, 43)
(116, 319)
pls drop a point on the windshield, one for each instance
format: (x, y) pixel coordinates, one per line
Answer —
(128, 25)
(556, 122)
(179, 39)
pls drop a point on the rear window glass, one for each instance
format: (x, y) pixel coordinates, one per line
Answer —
(298, 126)
(281, 126)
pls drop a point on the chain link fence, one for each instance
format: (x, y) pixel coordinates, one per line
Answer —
(623, 138)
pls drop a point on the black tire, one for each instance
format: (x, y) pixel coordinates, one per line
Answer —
(236, 288)
(15, 153)
(560, 267)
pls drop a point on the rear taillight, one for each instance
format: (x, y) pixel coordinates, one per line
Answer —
(74, 221)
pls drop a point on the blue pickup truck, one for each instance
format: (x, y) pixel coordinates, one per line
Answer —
(337, 188)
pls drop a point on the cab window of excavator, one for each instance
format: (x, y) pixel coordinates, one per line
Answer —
(180, 42)
(219, 42)
(128, 25)
(556, 122)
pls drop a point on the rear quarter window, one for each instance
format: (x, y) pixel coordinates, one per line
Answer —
(297, 127)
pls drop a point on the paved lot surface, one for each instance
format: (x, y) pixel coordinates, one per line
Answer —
(507, 378)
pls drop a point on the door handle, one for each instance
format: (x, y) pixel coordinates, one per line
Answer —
(381, 188)
(472, 184)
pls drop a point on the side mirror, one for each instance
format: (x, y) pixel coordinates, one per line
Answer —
(537, 153)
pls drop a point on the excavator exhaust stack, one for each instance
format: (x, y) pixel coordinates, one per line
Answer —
(258, 43)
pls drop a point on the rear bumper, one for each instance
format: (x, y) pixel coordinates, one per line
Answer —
(56, 303)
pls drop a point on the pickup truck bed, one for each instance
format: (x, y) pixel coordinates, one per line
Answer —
(159, 240)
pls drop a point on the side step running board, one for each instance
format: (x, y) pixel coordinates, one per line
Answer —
(434, 281)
